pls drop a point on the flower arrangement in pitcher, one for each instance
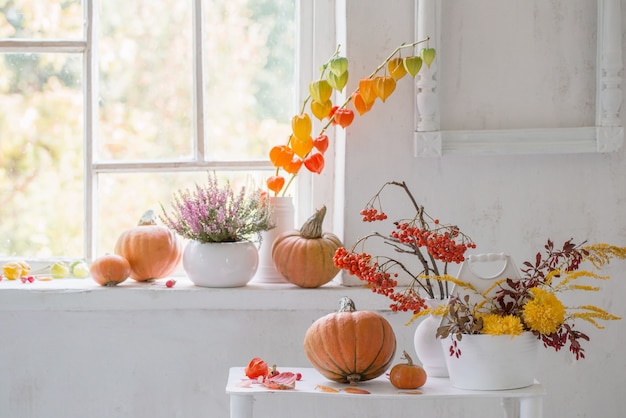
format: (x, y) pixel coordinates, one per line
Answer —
(301, 147)
(507, 307)
(430, 244)
(216, 213)
(532, 304)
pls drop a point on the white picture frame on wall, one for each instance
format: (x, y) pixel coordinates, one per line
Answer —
(606, 135)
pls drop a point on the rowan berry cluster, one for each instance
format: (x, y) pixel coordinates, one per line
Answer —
(426, 238)
(361, 266)
(409, 300)
(440, 243)
(372, 215)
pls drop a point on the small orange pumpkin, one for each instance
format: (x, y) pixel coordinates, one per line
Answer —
(305, 257)
(350, 346)
(153, 251)
(407, 375)
(110, 270)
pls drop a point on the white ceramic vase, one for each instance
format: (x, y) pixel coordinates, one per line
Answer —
(220, 264)
(427, 346)
(283, 216)
(492, 362)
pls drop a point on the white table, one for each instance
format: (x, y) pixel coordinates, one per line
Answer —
(522, 403)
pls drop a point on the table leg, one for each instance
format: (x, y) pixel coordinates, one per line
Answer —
(511, 407)
(531, 407)
(241, 406)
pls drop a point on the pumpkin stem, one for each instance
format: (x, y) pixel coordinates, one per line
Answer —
(312, 228)
(148, 218)
(346, 305)
(408, 358)
(354, 379)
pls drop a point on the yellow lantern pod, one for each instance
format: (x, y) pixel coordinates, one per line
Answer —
(320, 90)
(384, 85)
(321, 110)
(396, 68)
(301, 147)
(301, 126)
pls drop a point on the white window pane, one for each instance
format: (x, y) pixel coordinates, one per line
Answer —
(41, 19)
(146, 101)
(41, 155)
(249, 70)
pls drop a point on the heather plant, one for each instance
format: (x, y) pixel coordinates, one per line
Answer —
(217, 213)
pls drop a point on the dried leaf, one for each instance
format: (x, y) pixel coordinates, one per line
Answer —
(410, 392)
(357, 391)
(328, 389)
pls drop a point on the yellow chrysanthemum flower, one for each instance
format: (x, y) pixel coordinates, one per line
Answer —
(502, 325)
(544, 312)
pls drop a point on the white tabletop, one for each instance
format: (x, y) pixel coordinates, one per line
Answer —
(380, 387)
(517, 403)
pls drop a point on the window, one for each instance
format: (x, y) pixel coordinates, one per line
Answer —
(108, 107)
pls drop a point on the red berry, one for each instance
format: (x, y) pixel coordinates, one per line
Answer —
(170, 283)
(30, 279)
(298, 376)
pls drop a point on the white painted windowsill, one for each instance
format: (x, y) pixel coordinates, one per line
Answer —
(86, 295)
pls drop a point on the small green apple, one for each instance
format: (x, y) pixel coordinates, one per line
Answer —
(79, 269)
(59, 270)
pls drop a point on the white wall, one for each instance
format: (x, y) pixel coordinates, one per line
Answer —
(505, 203)
(168, 359)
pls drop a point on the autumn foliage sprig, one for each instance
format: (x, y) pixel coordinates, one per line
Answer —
(301, 148)
(513, 306)
(433, 244)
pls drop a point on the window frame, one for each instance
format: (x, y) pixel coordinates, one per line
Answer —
(316, 39)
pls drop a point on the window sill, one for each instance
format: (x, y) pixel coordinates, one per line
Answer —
(85, 295)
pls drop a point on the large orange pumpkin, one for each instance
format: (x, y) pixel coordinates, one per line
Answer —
(153, 251)
(350, 346)
(305, 257)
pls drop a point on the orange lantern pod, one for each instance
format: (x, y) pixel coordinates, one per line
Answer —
(294, 166)
(384, 85)
(359, 103)
(275, 183)
(321, 143)
(366, 87)
(281, 155)
(301, 147)
(314, 162)
(343, 117)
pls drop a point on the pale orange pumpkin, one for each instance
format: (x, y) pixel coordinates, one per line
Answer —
(110, 270)
(153, 251)
(350, 346)
(305, 257)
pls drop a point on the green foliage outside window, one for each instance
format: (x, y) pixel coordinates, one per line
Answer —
(145, 109)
